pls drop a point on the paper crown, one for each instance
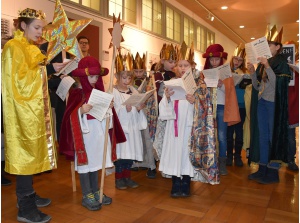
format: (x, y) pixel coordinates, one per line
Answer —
(215, 50)
(168, 52)
(32, 14)
(89, 66)
(273, 35)
(240, 51)
(185, 53)
(124, 63)
(138, 62)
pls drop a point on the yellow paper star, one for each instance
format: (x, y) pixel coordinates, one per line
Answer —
(116, 33)
(61, 34)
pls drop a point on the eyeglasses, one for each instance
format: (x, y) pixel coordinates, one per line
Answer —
(84, 43)
(239, 60)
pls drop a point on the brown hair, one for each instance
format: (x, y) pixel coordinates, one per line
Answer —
(121, 73)
(27, 21)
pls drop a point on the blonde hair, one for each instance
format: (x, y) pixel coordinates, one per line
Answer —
(121, 73)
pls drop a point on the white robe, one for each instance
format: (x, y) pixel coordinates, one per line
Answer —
(132, 123)
(93, 132)
(175, 150)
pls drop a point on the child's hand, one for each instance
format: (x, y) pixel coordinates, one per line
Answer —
(85, 108)
(264, 61)
(190, 98)
(220, 83)
(169, 92)
(63, 75)
(128, 108)
(111, 104)
(250, 68)
(140, 107)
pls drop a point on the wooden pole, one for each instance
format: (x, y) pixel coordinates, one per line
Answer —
(110, 90)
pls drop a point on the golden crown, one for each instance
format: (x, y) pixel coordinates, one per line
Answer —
(124, 63)
(168, 52)
(273, 35)
(32, 13)
(138, 62)
(185, 53)
(240, 51)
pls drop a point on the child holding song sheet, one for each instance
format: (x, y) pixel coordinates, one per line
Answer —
(85, 134)
(132, 120)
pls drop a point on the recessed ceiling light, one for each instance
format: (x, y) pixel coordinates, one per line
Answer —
(242, 27)
(298, 34)
(297, 21)
(224, 7)
(252, 38)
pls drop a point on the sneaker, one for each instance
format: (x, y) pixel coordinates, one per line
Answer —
(120, 184)
(35, 216)
(90, 202)
(40, 202)
(5, 181)
(293, 166)
(151, 173)
(130, 183)
(105, 199)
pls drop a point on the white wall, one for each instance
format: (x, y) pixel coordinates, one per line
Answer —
(132, 36)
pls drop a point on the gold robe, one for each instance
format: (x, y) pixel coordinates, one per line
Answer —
(28, 133)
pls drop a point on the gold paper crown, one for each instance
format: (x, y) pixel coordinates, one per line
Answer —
(273, 35)
(32, 14)
(184, 53)
(240, 51)
(168, 52)
(138, 62)
(124, 63)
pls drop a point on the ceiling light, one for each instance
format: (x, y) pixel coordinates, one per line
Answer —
(212, 18)
(297, 21)
(242, 27)
(252, 38)
(224, 7)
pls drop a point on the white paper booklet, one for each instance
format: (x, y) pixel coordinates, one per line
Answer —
(182, 86)
(72, 65)
(212, 76)
(64, 86)
(100, 102)
(138, 99)
(257, 48)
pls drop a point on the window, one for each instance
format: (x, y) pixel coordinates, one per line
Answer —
(173, 23)
(152, 16)
(127, 9)
(188, 31)
(93, 4)
(210, 38)
(200, 39)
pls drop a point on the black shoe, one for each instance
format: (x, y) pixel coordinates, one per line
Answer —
(5, 181)
(238, 162)
(40, 202)
(228, 162)
(151, 173)
(293, 166)
(34, 217)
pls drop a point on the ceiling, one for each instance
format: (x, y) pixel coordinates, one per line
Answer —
(255, 15)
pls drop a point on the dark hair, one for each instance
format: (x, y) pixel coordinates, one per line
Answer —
(83, 37)
(27, 21)
(276, 44)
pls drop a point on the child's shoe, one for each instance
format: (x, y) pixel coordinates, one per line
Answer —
(90, 202)
(151, 173)
(120, 184)
(130, 183)
(105, 199)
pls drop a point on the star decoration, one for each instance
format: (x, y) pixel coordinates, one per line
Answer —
(116, 33)
(61, 34)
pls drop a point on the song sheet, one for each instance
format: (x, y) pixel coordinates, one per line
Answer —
(182, 86)
(212, 76)
(72, 65)
(100, 102)
(138, 99)
(64, 86)
(257, 48)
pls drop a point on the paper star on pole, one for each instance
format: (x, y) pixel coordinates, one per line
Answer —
(61, 34)
(116, 33)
